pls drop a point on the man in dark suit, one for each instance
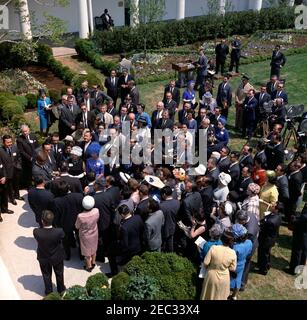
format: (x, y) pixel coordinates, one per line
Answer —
(275, 152)
(170, 208)
(224, 96)
(41, 167)
(213, 171)
(170, 105)
(122, 84)
(165, 122)
(111, 83)
(66, 207)
(235, 54)
(244, 183)
(73, 182)
(206, 193)
(295, 181)
(280, 93)
(13, 164)
(234, 170)
(142, 207)
(134, 92)
(39, 198)
(98, 95)
(85, 118)
(67, 121)
(249, 114)
(269, 231)
(282, 184)
(50, 253)
(271, 86)
(111, 109)
(26, 144)
(221, 52)
(260, 156)
(247, 158)
(88, 101)
(3, 190)
(157, 115)
(87, 140)
(171, 87)
(58, 148)
(277, 62)
(182, 114)
(262, 97)
(224, 162)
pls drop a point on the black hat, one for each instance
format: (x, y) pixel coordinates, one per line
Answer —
(245, 77)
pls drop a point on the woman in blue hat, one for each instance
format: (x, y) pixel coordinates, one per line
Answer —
(189, 95)
(43, 109)
(243, 248)
(221, 134)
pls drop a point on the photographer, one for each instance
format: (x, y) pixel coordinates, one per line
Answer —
(279, 113)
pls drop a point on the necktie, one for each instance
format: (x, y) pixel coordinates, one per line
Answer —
(102, 118)
(9, 151)
(55, 148)
(71, 109)
(261, 96)
(84, 120)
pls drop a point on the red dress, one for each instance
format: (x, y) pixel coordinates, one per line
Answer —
(259, 176)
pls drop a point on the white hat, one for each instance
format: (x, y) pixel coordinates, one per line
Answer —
(201, 170)
(216, 155)
(228, 208)
(69, 138)
(88, 202)
(224, 178)
(154, 181)
(77, 151)
(125, 176)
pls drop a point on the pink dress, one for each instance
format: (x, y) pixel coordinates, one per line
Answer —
(88, 231)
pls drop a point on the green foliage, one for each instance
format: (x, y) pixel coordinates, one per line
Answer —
(119, 286)
(190, 30)
(174, 277)
(10, 106)
(91, 77)
(76, 293)
(148, 10)
(142, 288)
(87, 51)
(32, 99)
(98, 280)
(22, 100)
(53, 296)
(54, 95)
(45, 58)
(100, 294)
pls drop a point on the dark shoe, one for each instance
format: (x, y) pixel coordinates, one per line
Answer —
(263, 272)
(109, 275)
(20, 198)
(88, 269)
(14, 202)
(67, 258)
(1, 219)
(8, 211)
(242, 289)
(289, 271)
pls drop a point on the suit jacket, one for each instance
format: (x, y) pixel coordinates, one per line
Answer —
(27, 149)
(153, 230)
(154, 120)
(135, 96)
(250, 108)
(224, 94)
(295, 186)
(271, 87)
(175, 94)
(246, 161)
(112, 112)
(170, 209)
(108, 118)
(92, 103)
(283, 95)
(39, 200)
(252, 227)
(214, 174)
(171, 106)
(58, 152)
(190, 204)
(242, 188)
(224, 164)
(49, 241)
(269, 230)
(68, 119)
(221, 51)
(283, 188)
(182, 115)
(142, 209)
(261, 158)
(73, 182)
(90, 120)
(275, 155)
(278, 59)
(167, 124)
(11, 162)
(66, 210)
(100, 97)
(112, 89)
(121, 81)
(45, 171)
(207, 199)
(234, 172)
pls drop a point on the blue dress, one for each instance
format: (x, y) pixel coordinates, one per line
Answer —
(96, 166)
(42, 113)
(207, 247)
(222, 136)
(188, 95)
(243, 250)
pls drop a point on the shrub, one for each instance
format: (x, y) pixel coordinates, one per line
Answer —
(22, 100)
(53, 296)
(90, 77)
(174, 276)
(98, 280)
(100, 294)
(10, 106)
(54, 95)
(76, 293)
(142, 288)
(32, 99)
(119, 286)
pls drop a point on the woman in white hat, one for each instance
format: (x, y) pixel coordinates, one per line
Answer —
(88, 231)
(221, 192)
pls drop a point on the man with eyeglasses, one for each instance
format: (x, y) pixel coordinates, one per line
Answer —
(280, 93)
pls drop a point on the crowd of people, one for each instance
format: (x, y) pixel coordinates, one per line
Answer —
(110, 209)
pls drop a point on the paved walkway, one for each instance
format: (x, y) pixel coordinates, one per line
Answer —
(20, 276)
(63, 51)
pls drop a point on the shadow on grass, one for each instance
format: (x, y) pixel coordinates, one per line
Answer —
(284, 241)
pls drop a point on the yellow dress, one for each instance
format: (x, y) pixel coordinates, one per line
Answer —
(268, 194)
(218, 262)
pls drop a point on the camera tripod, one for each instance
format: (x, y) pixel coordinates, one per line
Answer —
(263, 126)
(290, 132)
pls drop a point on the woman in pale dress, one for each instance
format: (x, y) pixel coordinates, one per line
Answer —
(88, 232)
(219, 261)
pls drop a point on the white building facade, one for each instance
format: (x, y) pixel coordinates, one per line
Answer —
(80, 14)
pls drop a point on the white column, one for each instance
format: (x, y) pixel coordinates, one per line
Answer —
(255, 5)
(90, 15)
(83, 19)
(291, 3)
(222, 9)
(134, 17)
(25, 22)
(180, 9)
